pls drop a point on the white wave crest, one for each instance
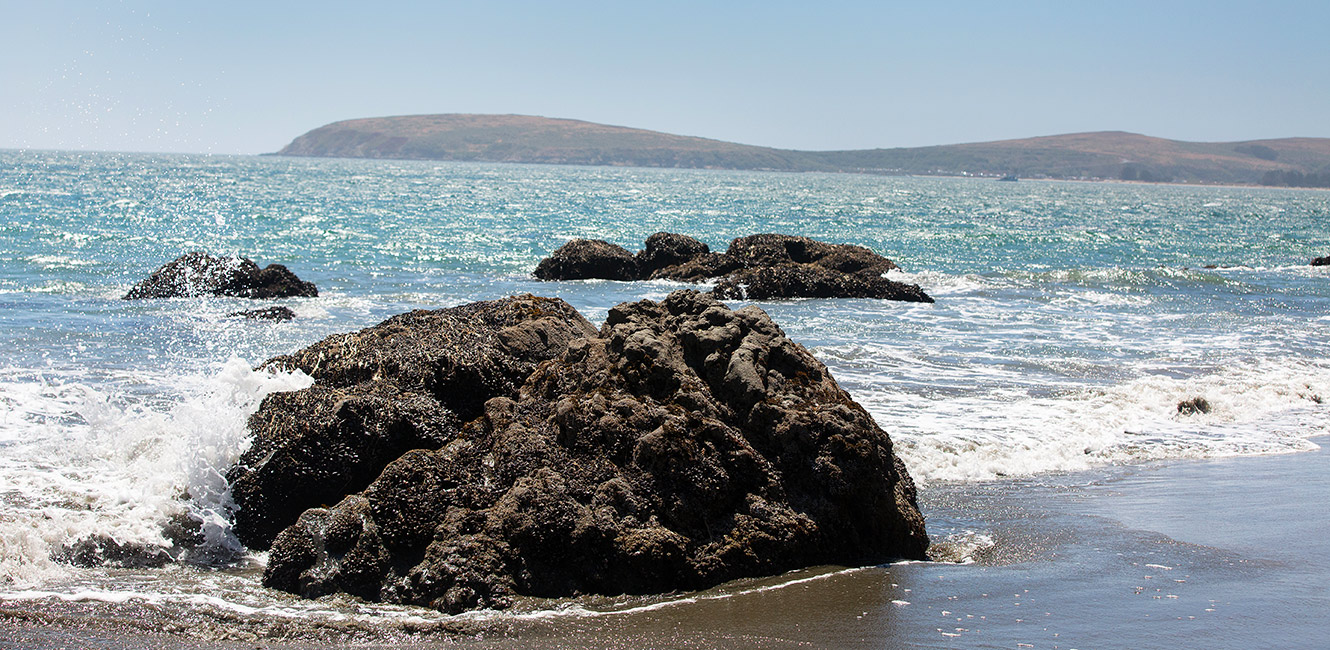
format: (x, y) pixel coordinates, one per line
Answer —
(1261, 409)
(87, 462)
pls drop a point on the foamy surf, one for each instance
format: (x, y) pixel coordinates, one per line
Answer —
(1266, 408)
(93, 465)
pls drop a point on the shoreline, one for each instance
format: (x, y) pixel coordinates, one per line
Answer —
(1170, 554)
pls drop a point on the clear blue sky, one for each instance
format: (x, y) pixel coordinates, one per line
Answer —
(247, 77)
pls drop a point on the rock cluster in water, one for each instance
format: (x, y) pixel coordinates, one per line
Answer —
(198, 274)
(757, 267)
(460, 457)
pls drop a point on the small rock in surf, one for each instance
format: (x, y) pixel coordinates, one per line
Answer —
(200, 274)
(1193, 406)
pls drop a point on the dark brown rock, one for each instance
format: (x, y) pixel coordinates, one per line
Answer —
(277, 281)
(461, 356)
(198, 274)
(664, 249)
(1321, 261)
(683, 446)
(315, 446)
(757, 267)
(767, 250)
(812, 281)
(583, 259)
(407, 383)
(699, 269)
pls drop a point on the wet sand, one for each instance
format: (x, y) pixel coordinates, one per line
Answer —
(1208, 554)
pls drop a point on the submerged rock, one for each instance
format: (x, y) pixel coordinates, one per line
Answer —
(586, 259)
(1194, 406)
(103, 550)
(182, 531)
(267, 313)
(757, 267)
(198, 274)
(683, 445)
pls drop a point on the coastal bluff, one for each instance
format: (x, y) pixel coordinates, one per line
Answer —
(463, 457)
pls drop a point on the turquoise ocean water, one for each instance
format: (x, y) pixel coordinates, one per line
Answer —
(1071, 318)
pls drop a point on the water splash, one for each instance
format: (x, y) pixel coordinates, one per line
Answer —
(91, 463)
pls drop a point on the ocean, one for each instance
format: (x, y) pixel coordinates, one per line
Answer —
(1035, 403)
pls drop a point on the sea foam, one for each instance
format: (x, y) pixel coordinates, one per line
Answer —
(84, 462)
(1264, 408)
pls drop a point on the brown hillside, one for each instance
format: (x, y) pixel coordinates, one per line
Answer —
(1099, 155)
(528, 139)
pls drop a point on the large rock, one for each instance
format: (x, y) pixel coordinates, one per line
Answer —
(585, 259)
(407, 383)
(1321, 261)
(198, 274)
(813, 281)
(315, 446)
(684, 445)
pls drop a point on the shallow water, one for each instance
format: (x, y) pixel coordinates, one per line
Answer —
(1070, 320)
(1125, 558)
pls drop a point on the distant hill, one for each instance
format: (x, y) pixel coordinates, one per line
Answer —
(526, 139)
(1103, 155)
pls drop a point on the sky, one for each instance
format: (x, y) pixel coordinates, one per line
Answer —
(241, 77)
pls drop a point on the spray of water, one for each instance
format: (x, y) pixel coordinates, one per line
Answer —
(97, 474)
